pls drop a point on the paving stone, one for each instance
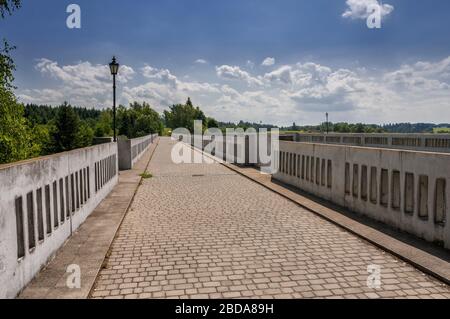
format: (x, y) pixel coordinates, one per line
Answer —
(220, 235)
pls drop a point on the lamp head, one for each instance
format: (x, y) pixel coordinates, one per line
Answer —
(114, 66)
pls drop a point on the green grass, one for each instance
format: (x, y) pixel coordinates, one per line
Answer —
(146, 175)
(441, 130)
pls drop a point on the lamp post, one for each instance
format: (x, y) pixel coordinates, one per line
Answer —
(114, 68)
(326, 114)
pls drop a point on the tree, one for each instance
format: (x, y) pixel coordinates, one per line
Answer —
(84, 136)
(66, 136)
(341, 128)
(16, 139)
(184, 115)
(42, 134)
(138, 120)
(212, 123)
(8, 6)
(103, 126)
(6, 63)
(7, 66)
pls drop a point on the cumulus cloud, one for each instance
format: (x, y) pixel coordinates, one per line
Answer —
(429, 76)
(228, 72)
(302, 92)
(162, 75)
(281, 75)
(82, 83)
(361, 9)
(268, 62)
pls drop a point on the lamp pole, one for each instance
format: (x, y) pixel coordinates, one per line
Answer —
(326, 114)
(114, 107)
(114, 68)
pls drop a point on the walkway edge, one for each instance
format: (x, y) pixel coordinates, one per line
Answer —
(152, 151)
(420, 259)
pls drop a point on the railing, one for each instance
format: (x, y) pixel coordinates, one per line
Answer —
(130, 151)
(42, 201)
(404, 189)
(418, 142)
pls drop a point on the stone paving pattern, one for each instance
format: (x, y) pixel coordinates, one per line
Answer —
(203, 231)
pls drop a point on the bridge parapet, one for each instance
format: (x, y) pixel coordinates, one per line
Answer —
(418, 142)
(407, 190)
(42, 202)
(131, 150)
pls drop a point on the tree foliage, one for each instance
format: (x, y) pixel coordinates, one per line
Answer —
(138, 120)
(67, 126)
(16, 138)
(7, 66)
(8, 6)
(184, 115)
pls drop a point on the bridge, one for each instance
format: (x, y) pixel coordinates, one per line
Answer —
(209, 231)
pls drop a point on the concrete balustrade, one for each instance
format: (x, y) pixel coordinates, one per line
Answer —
(407, 190)
(418, 142)
(131, 150)
(42, 202)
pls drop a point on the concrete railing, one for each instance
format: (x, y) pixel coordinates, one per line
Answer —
(418, 142)
(44, 200)
(239, 150)
(404, 189)
(130, 151)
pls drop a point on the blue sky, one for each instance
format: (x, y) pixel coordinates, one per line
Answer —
(213, 51)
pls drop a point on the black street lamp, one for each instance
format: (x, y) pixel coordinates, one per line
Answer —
(114, 67)
(328, 130)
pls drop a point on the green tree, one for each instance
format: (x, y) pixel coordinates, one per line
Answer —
(84, 136)
(42, 134)
(16, 138)
(148, 120)
(212, 122)
(138, 120)
(7, 66)
(341, 128)
(67, 125)
(184, 115)
(104, 124)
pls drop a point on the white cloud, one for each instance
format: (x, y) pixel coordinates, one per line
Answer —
(201, 61)
(420, 76)
(281, 75)
(361, 9)
(268, 62)
(236, 73)
(162, 75)
(299, 92)
(82, 83)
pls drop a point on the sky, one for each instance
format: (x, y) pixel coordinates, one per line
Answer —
(275, 62)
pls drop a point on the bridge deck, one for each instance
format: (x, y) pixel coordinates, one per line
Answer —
(203, 231)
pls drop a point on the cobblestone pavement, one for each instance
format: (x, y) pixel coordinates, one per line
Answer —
(202, 231)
